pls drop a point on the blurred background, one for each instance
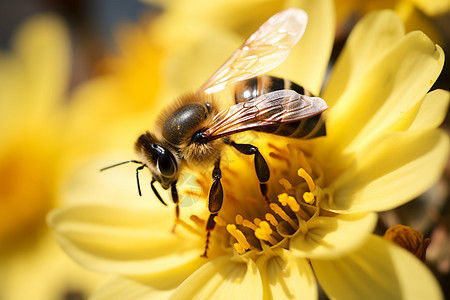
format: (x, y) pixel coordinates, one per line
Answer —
(50, 72)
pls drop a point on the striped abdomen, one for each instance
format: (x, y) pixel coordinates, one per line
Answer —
(251, 88)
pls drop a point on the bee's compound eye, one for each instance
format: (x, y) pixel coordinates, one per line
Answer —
(166, 164)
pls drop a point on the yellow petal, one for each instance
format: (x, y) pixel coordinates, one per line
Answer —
(286, 277)
(391, 171)
(371, 38)
(240, 16)
(332, 236)
(118, 288)
(126, 240)
(377, 270)
(48, 271)
(415, 19)
(214, 21)
(190, 66)
(396, 83)
(427, 114)
(222, 278)
(43, 46)
(434, 7)
(307, 63)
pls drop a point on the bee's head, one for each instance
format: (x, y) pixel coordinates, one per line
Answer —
(160, 160)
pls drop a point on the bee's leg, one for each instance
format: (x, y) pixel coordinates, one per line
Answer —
(174, 192)
(214, 203)
(261, 167)
(154, 191)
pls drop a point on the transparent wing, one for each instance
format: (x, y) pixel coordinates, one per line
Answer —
(278, 107)
(268, 47)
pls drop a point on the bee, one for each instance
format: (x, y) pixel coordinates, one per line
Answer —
(193, 132)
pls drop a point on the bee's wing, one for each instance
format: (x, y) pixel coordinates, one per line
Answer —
(274, 108)
(268, 47)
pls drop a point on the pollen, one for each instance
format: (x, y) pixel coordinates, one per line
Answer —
(309, 181)
(271, 219)
(242, 243)
(255, 226)
(284, 199)
(264, 233)
(308, 197)
(239, 219)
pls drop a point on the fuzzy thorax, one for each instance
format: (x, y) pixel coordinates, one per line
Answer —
(202, 155)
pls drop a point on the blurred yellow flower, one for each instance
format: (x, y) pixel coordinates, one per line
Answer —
(381, 150)
(34, 78)
(415, 14)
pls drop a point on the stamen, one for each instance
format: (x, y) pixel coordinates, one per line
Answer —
(239, 249)
(219, 221)
(240, 237)
(264, 232)
(304, 163)
(282, 198)
(248, 224)
(239, 219)
(289, 200)
(199, 222)
(303, 215)
(187, 227)
(286, 184)
(308, 197)
(279, 211)
(257, 221)
(271, 219)
(309, 181)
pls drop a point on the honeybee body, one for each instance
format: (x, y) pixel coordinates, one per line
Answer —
(193, 132)
(249, 89)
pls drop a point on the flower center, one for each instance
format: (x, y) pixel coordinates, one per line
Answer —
(247, 222)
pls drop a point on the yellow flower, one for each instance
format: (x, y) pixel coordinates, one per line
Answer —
(381, 150)
(34, 77)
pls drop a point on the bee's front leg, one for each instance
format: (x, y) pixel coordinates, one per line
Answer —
(174, 192)
(261, 167)
(214, 203)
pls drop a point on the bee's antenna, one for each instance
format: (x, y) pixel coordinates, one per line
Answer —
(142, 165)
(122, 163)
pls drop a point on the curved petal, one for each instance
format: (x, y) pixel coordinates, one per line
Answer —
(310, 56)
(222, 278)
(117, 288)
(124, 240)
(286, 277)
(377, 270)
(371, 38)
(391, 171)
(395, 84)
(427, 114)
(328, 237)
